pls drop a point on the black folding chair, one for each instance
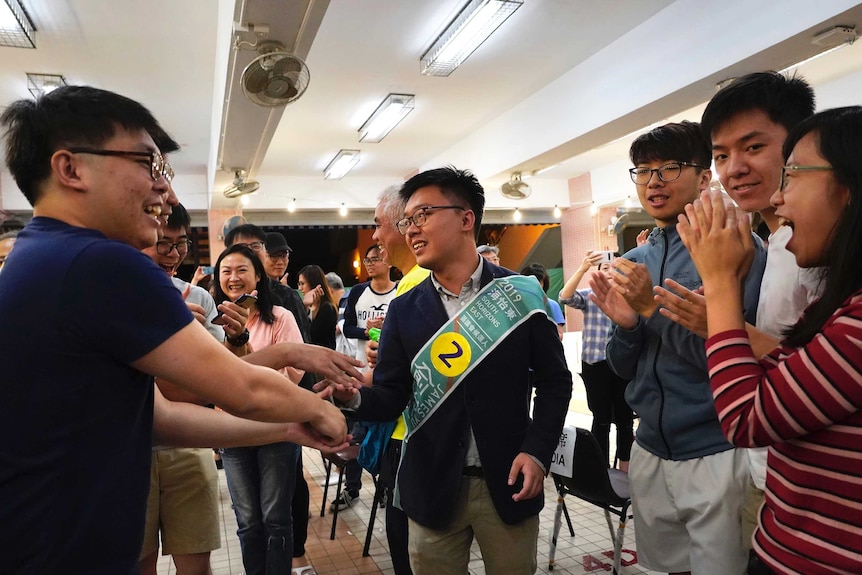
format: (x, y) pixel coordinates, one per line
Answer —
(594, 482)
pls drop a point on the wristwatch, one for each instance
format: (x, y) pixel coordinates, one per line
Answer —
(239, 340)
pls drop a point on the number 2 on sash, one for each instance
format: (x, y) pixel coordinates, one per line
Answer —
(445, 357)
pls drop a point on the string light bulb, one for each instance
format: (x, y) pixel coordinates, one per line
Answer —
(517, 215)
(557, 212)
(594, 208)
(343, 210)
(244, 200)
(291, 206)
(628, 202)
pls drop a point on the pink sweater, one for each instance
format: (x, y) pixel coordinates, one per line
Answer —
(805, 404)
(284, 328)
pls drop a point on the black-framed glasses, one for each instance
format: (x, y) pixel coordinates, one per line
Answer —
(278, 255)
(785, 169)
(371, 260)
(669, 172)
(256, 247)
(420, 216)
(159, 167)
(164, 247)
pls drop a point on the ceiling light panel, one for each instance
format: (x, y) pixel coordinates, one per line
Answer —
(16, 28)
(342, 163)
(476, 21)
(41, 84)
(388, 114)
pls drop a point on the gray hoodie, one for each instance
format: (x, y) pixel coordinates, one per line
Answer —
(666, 363)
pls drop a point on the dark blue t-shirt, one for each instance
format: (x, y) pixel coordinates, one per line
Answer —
(75, 418)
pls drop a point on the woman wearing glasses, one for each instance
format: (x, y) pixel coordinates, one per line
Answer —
(321, 307)
(261, 480)
(803, 398)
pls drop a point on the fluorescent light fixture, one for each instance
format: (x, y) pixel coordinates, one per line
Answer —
(16, 28)
(388, 114)
(41, 84)
(476, 21)
(342, 163)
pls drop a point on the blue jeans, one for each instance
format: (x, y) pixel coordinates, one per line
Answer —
(261, 481)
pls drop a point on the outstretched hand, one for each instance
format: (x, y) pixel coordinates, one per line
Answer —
(337, 368)
(304, 434)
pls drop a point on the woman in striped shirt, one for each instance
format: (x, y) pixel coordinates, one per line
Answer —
(802, 399)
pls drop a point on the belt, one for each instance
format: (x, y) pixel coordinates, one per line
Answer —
(473, 471)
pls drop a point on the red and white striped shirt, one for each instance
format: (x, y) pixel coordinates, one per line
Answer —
(805, 404)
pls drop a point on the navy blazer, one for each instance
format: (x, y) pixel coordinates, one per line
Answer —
(494, 400)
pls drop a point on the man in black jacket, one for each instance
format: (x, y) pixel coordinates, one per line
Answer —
(457, 351)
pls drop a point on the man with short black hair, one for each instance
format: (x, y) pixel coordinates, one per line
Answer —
(687, 481)
(78, 408)
(456, 351)
(748, 121)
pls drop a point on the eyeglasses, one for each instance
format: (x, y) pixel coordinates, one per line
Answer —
(786, 169)
(420, 216)
(256, 247)
(667, 173)
(371, 260)
(165, 247)
(277, 255)
(159, 167)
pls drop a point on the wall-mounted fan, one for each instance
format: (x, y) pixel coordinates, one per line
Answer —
(241, 186)
(515, 188)
(275, 77)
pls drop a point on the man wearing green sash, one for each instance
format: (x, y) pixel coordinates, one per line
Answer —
(455, 355)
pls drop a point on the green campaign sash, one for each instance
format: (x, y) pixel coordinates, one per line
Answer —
(466, 339)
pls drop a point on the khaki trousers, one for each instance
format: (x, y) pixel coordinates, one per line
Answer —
(506, 549)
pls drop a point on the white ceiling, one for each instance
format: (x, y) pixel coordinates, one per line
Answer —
(553, 86)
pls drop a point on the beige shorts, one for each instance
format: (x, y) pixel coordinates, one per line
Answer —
(183, 503)
(688, 513)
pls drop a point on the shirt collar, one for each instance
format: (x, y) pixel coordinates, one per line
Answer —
(472, 285)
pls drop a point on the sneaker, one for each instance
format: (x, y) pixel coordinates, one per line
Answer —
(344, 500)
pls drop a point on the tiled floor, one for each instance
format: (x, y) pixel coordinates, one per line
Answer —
(585, 553)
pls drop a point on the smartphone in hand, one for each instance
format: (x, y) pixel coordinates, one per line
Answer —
(607, 257)
(246, 300)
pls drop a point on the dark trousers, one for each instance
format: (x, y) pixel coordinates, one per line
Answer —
(606, 400)
(352, 469)
(299, 510)
(396, 520)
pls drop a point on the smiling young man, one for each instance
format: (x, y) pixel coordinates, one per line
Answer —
(83, 336)
(748, 121)
(458, 349)
(687, 481)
